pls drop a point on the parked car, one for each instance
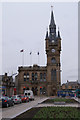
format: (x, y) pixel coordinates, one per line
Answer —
(6, 101)
(16, 99)
(24, 98)
(29, 93)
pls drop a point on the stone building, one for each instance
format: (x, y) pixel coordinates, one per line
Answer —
(71, 85)
(7, 85)
(43, 80)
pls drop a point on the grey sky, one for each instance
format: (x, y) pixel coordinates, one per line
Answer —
(24, 27)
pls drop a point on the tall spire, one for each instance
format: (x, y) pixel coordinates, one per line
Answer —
(52, 22)
(52, 27)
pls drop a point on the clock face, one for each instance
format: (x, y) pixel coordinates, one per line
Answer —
(53, 50)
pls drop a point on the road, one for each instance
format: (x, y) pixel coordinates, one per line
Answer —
(17, 109)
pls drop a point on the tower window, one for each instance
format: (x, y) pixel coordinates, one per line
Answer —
(53, 60)
(53, 75)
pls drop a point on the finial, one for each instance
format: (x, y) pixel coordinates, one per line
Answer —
(51, 8)
(58, 28)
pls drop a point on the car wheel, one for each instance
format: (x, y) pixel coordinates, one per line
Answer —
(7, 105)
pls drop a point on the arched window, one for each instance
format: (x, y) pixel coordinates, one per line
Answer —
(32, 76)
(41, 76)
(44, 76)
(53, 75)
(27, 76)
(53, 60)
(24, 76)
(35, 76)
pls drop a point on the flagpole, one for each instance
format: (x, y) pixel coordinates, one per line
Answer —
(38, 57)
(30, 58)
(23, 58)
(22, 51)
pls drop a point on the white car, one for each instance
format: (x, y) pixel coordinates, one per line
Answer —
(29, 93)
(16, 99)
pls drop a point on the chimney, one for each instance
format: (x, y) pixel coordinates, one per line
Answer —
(5, 74)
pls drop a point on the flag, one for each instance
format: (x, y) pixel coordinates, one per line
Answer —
(38, 53)
(30, 53)
(22, 50)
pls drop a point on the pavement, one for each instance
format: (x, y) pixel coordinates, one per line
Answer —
(77, 99)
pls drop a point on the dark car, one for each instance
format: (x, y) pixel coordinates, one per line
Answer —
(24, 98)
(6, 101)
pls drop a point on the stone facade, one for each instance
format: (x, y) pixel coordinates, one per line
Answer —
(71, 85)
(43, 80)
(7, 85)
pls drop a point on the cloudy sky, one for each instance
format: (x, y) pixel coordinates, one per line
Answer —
(24, 27)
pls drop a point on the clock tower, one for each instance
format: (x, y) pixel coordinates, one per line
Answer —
(53, 48)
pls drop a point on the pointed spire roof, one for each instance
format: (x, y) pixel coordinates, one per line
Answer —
(52, 22)
(46, 34)
(58, 33)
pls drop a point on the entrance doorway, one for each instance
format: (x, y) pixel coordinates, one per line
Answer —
(34, 89)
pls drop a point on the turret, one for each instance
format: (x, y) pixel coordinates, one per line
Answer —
(47, 41)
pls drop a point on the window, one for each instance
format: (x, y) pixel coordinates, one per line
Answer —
(27, 76)
(53, 60)
(53, 75)
(41, 77)
(32, 76)
(35, 76)
(24, 77)
(44, 76)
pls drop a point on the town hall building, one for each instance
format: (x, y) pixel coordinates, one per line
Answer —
(43, 80)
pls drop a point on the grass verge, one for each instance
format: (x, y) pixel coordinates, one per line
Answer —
(58, 113)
